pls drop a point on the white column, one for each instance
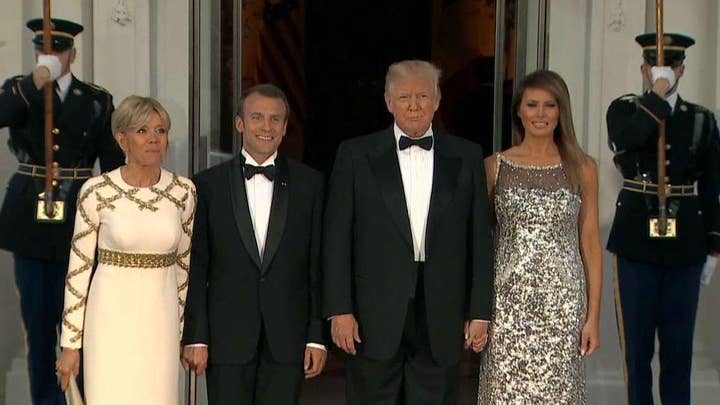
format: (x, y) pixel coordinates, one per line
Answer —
(15, 51)
(171, 75)
(591, 45)
(121, 33)
(143, 48)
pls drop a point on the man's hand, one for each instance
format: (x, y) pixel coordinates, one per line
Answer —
(344, 330)
(476, 335)
(314, 361)
(67, 365)
(48, 68)
(195, 358)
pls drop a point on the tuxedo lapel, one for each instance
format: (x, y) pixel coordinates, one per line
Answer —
(386, 169)
(241, 210)
(445, 172)
(278, 212)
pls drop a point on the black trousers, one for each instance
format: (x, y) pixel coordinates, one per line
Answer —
(654, 299)
(41, 286)
(262, 381)
(411, 376)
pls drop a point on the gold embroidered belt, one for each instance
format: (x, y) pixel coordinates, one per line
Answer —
(136, 260)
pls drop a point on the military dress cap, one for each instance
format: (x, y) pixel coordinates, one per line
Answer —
(62, 33)
(674, 47)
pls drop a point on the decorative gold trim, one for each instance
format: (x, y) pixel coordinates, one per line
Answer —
(620, 326)
(137, 260)
(665, 48)
(159, 194)
(19, 89)
(87, 263)
(120, 258)
(655, 117)
(57, 34)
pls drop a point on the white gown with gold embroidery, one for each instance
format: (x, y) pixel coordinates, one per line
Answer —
(128, 320)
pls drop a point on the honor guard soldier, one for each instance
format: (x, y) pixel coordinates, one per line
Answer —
(41, 244)
(658, 273)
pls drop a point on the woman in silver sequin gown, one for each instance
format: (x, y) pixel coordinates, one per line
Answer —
(548, 255)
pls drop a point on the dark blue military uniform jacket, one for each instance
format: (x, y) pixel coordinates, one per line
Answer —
(82, 135)
(692, 155)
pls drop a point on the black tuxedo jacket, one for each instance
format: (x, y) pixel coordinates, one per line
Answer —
(369, 267)
(232, 290)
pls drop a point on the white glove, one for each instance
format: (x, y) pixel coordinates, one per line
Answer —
(708, 270)
(663, 72)
(52, 63)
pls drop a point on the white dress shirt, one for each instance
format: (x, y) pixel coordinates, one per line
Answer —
(416, 168)
(63, 84)
(259, 197)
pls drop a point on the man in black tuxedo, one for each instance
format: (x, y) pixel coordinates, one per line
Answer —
(407, 250)
(253, 314)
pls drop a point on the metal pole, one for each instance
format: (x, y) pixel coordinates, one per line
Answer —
(661, 160)
(499, 74)
(49, 89)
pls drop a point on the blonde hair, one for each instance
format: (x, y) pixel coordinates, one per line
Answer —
(134, 111)
(412, 68)
(571, 154)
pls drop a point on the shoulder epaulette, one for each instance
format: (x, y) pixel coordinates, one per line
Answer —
(96, 87)
(629, 97)
(18, 78)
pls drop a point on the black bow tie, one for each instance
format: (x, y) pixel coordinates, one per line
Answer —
(425, 142)
(267, 171)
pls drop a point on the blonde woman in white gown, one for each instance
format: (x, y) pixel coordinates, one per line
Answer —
(128, 319)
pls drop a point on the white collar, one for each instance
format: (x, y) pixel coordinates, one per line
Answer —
(249, 160)
(672, 100)
(64, 82)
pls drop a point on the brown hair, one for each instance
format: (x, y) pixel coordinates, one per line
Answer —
(267, 90)
(571, 154)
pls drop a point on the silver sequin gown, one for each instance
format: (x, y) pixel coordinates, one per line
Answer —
(540, 299)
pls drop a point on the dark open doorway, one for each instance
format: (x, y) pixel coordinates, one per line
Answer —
(331, 57)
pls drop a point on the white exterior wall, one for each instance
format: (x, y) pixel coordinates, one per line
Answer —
(592, 46)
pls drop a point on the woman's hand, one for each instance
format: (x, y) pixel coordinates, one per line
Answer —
(590, 338)
(67, 365)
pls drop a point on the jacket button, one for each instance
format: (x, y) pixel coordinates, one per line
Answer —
(262, 279)
(56, 147)
(56, 131)
(667, 146)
